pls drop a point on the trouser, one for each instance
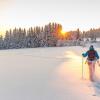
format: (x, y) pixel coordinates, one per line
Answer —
(91, 65)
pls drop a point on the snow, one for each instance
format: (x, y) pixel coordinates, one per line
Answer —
(53, 73)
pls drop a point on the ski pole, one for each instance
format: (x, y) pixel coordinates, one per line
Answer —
(82, 67)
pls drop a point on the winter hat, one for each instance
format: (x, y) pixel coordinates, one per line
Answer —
(91, 47)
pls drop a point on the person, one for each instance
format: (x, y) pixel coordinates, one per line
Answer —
(92, 58)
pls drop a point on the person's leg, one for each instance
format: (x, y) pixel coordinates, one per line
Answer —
(89, 65)
(94, 67)
(91, 70)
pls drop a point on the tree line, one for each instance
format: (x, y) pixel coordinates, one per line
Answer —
(92, 33)
(47, 36)
(33, 37)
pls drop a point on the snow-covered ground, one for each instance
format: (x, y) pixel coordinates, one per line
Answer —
(46, 74)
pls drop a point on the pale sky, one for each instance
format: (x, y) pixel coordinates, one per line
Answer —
(72, 14)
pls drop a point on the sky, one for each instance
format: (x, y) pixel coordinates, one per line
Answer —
(72, 14)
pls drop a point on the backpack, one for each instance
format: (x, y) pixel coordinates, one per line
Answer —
(91, 55)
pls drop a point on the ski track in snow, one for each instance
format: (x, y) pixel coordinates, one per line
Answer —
(46, 74)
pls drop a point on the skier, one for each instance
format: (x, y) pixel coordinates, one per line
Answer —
(92, 57)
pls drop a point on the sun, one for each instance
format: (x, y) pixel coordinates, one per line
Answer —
(63, 32)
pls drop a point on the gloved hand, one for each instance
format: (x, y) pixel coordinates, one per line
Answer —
(83, 54)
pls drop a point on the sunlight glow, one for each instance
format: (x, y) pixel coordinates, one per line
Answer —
(2, 31)
(63, 32)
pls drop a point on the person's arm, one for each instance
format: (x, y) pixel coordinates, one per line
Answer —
(97, 56)
(85, 54)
